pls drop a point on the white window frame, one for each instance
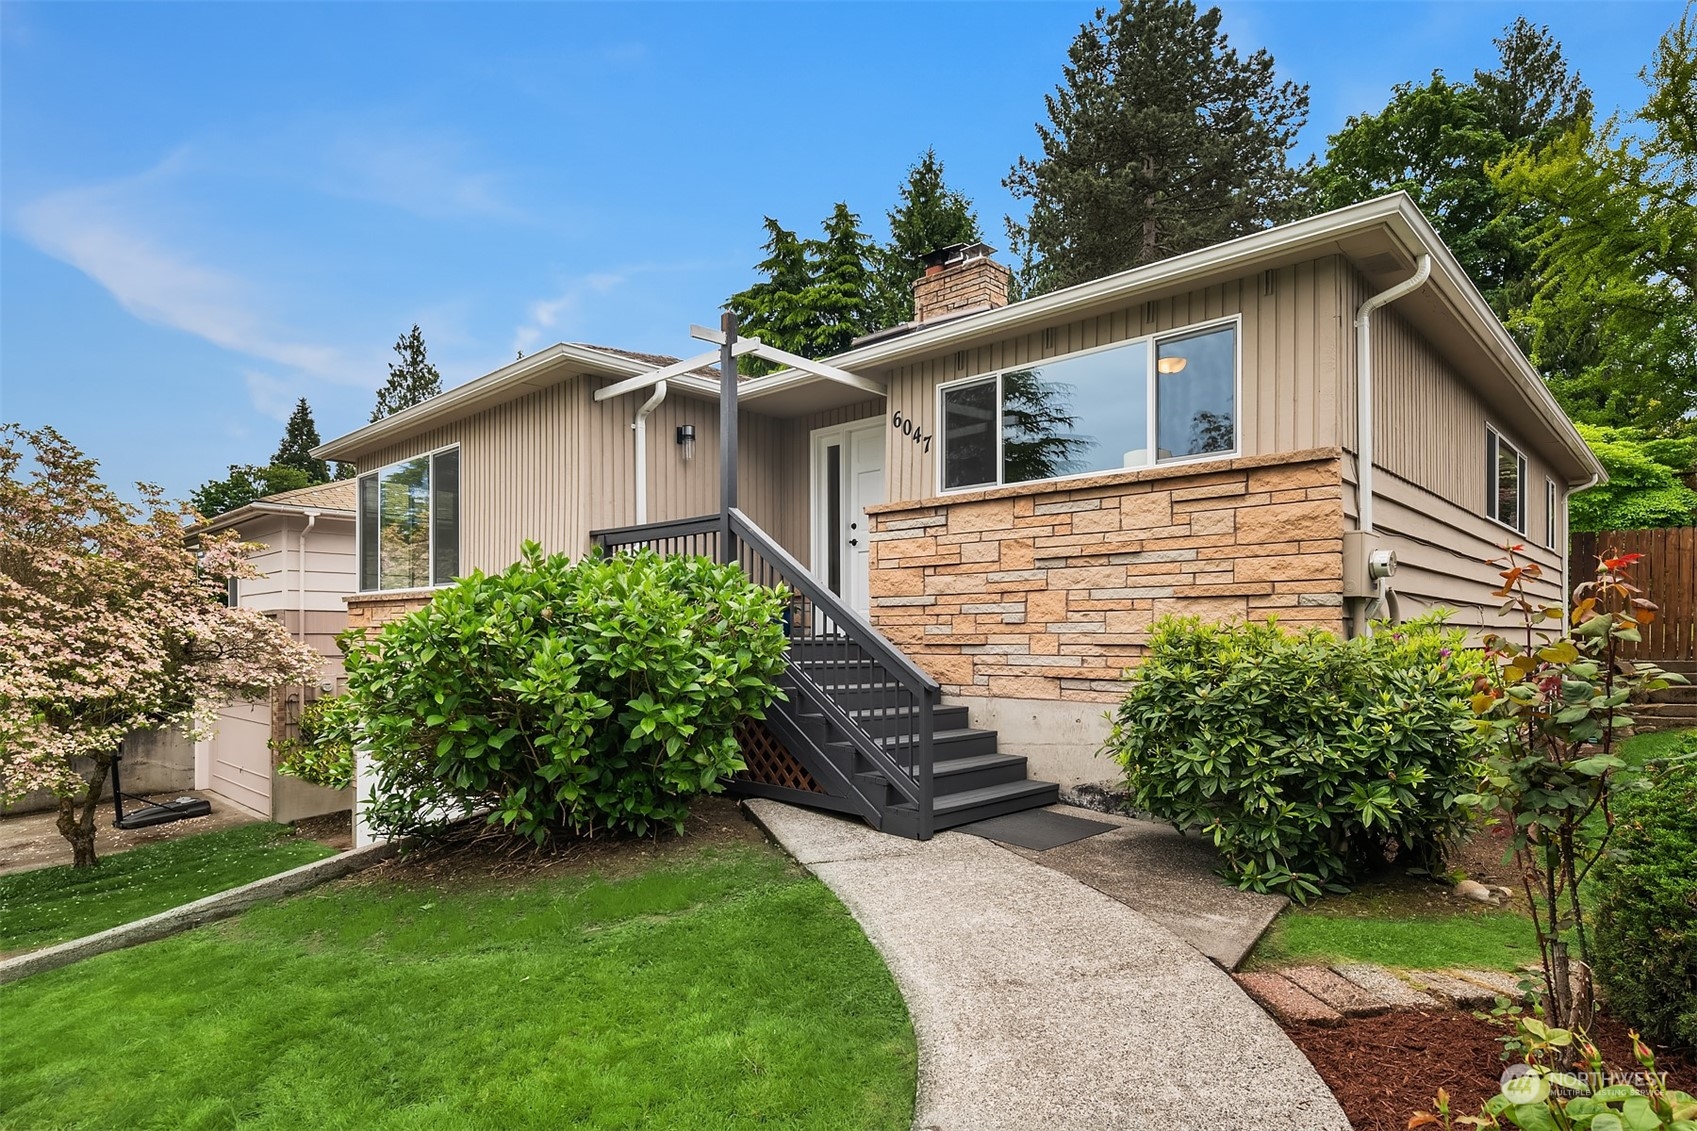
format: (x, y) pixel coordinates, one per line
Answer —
(1552, 527)
(1495, 441)
(359, 521)
(1151, 344)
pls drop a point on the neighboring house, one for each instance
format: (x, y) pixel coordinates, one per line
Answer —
(1012, 494)
(306, 559)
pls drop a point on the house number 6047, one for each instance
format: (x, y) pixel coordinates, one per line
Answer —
(912, 429)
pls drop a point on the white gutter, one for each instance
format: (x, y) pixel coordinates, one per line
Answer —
(1364, 388)
(640, 427)
(300, 593)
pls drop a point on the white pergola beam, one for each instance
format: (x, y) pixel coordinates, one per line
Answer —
(794, 361)
(666, 373)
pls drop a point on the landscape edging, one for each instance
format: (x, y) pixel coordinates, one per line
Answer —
(210, 909)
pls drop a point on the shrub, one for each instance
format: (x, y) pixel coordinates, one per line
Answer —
(1646, 904)
(324, 752)
(584, 697)
(1307, 759)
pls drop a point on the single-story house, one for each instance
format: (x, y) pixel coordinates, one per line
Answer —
(985, 510)
(306, 562)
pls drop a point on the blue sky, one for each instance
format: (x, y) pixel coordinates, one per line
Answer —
(207, 211)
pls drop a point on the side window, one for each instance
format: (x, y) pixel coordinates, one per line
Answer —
(1552, 517)
(1505, 482)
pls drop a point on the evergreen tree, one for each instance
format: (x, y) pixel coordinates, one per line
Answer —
(928, 217)
(300, 436)
(771, 309)
(1435, 141)
(412, 381)
(839, 297)
(1161, 139)
(1612, 317)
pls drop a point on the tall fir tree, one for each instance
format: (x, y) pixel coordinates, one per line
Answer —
(1161, 139)
(412, 381)
(927, 217)
(771, 309)
(839, 297)
(300, 436)
(1435, 141)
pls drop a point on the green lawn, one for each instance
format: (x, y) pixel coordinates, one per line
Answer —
(51, 905)
(1498, 940)
(722, 990)
(1373, 925)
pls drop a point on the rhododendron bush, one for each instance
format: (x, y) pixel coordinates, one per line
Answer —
(109, 624)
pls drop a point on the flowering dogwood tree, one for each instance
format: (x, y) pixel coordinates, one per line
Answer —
(109, 624)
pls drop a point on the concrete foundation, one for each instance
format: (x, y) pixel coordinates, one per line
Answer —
(1062, 739)
(294, 800)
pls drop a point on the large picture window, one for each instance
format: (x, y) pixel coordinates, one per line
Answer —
(1505, 482)
(1094, 412)
(409, 523)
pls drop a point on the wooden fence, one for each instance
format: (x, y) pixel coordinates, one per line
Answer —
(1668, 576)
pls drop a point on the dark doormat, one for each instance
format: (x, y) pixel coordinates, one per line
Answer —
(1037, 829)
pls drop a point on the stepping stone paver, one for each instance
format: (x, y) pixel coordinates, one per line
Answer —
(1457, 991)
(1288, 1001)
(1498, 981)
(1336, 991)
(1384, 985)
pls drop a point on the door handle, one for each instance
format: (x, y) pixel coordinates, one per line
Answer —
(854, 541)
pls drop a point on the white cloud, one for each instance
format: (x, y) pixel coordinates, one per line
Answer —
(92, 228)
(546, 315)
(432, 176)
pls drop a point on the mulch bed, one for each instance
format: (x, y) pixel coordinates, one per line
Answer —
(477, 855)
(1384, 1069)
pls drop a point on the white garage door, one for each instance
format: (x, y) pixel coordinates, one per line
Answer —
(241, 762)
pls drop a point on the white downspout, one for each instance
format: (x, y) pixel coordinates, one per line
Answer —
(1566, 537)
(1364, 388)
(640, 427)
(300, 593)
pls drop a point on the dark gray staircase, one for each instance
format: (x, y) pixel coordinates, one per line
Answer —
(861, 728)
(972, 780)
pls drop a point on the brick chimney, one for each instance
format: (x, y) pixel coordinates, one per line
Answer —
(959, 279)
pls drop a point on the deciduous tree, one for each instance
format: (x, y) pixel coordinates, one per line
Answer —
(1434, 141)
(110, 624)
(1612, 319)
(243, 485)
(1649, 482)
(1161, 139)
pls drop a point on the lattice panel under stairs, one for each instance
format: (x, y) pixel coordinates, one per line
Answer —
(769, 763)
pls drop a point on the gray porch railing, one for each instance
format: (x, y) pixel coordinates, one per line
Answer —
(851, 692)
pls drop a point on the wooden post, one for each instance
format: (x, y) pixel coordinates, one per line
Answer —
(727, 437)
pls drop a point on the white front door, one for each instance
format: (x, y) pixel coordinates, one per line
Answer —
(848, 477)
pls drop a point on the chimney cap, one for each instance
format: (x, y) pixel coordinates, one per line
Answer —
(957, 253)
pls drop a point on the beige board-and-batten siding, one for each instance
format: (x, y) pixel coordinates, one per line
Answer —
(1293, 329)
(1429, 488)
(1048, 591)
(556, 464)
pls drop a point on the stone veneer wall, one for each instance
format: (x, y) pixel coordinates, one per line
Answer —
(1048, 591)
(374, 610)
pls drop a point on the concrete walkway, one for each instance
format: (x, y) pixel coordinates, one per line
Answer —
(1040, 1002)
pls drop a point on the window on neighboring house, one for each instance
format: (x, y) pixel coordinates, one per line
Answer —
(1505, 482)
(1552, 525)
(1094, 412)
(409, 523)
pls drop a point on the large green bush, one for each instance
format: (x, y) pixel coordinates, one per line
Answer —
(1646, 923)
(1308, 760)
(569, 697)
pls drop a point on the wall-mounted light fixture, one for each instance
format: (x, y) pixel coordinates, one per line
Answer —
(686, 441)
